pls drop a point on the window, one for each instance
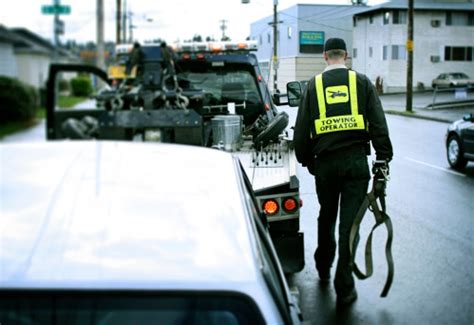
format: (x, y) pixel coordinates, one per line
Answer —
(112, 307)
(371, 19)
(458, 53)
(399, 52)
(386, 17)
(260, 40)
(371, 52)
(289, 32)
(385, 52)
(269, 38)
(354, 53)
(400, 17)
(459, 18)
(354, 21)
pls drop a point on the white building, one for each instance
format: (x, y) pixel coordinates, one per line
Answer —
(7, 55)
(33, 57)
(443, 42)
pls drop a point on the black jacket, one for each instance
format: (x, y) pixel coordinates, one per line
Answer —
(308, 145)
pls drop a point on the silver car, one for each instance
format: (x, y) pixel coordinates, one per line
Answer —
(117, 233)
(453, 79)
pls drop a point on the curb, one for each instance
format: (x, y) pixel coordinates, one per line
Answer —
(414, 115)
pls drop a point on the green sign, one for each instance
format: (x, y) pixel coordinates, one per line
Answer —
(55, 9)
(312, 38)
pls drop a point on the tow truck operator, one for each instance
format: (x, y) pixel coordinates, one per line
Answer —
(339, 115)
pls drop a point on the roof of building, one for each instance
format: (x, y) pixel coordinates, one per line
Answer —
(402, 4)
(6, 36)
(31, 42)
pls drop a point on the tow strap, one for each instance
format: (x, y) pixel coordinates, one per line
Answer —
(381, 217)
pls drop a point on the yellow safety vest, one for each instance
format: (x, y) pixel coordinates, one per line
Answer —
(336, 95)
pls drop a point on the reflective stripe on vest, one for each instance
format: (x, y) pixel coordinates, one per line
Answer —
(334, 95)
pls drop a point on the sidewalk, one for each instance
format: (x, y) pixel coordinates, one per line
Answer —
(446, 107)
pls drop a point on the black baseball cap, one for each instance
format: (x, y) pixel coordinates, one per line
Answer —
(335, 44)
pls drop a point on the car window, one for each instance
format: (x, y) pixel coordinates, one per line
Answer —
(237, 85)
(129, 307)
(459, 76)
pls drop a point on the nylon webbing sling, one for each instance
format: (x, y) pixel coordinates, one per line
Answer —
(381, 217)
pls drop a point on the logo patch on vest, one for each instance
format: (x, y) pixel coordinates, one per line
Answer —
(337, 94)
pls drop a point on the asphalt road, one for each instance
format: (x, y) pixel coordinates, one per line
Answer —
(431, 207)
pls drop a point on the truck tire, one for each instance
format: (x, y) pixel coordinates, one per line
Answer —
(272, 131)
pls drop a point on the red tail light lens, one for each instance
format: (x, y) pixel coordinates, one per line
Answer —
(290, 204)
(270, 207)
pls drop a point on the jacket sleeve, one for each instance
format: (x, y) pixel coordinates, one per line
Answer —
(378, 129)
(301, 134)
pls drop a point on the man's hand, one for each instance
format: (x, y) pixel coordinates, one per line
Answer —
(380, 169)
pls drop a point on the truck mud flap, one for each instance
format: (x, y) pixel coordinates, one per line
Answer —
(290, 250)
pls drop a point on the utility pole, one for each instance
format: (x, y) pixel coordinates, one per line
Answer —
(124, 25)
(275, 45)
(223, 28)
(409, 101)
(118, 19)
(130, 27)
(100, 35)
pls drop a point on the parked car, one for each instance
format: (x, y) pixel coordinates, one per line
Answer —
(453, 79)
(460, 142)
(122, 232)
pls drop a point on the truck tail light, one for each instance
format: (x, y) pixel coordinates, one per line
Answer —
(270, 207)
(290, 204)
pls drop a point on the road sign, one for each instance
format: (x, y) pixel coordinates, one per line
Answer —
(55, 9)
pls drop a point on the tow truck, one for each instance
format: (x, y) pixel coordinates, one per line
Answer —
(116, 70)
(208, 94)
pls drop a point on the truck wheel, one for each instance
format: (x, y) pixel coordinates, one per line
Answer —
(454, 153)
(272, 131)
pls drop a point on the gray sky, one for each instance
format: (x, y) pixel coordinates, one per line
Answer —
(170, 20)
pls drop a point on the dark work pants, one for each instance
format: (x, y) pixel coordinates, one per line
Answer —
(341, 177)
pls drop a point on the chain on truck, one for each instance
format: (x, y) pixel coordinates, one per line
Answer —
(208, 94)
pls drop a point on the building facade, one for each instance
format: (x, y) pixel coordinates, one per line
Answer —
(443, 42)
(302, 31)
(7, 56)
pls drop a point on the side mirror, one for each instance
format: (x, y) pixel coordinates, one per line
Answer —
(294, 92)
(276, 99)
(468, 117)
